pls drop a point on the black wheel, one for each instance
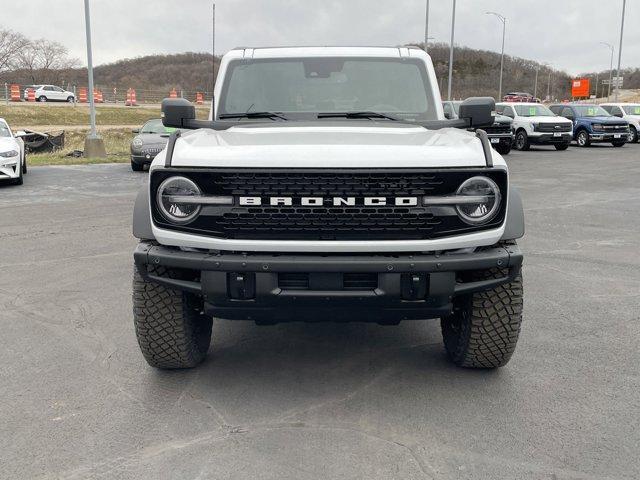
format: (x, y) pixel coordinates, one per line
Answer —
(618, 144)
(503, 149)
(171, 329)
(19, 180)
(70, 99)
(483, 330)
(42, 98)
(633, 135)
(583, 139)
(522, 141)
(137, 167)
(561, 146)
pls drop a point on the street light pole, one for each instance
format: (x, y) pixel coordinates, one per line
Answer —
(503, 19)
(618, 82)
(453, 27)
(610, 67)
(93, 145)
(426, 28)
(535, 88)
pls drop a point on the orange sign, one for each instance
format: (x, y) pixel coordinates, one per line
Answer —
(580, 88)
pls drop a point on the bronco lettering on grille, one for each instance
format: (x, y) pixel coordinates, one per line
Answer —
(335, 201)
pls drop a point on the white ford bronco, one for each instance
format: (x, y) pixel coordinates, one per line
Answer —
(327, 185)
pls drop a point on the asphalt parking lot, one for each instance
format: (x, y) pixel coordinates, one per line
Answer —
(322, 401)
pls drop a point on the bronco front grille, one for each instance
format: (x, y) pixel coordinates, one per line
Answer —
(327, 221)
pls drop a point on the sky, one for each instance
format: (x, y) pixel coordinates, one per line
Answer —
(563, 33)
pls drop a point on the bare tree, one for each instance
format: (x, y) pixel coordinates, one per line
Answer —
(11, 43)
(41, 57)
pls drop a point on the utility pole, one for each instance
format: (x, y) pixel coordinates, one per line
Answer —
(610, 67)
(93, 144)
(618, 82)
(549, 85)
(426, 28)
(213, 51)
(453, 27)
(535, 88)
(503, 19)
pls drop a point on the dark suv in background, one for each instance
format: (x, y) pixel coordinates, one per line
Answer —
(500, 133)
(592, 123)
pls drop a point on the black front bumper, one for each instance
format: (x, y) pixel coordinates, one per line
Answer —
(549, 138)
(250, 286)
(504, 139)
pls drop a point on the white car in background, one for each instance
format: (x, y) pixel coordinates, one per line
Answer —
(13, 158)
(535, 124)
(50, 93)
(629, 112)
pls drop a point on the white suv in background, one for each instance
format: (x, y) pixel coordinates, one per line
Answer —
(629, 112)
(533, 123)
(50, 93)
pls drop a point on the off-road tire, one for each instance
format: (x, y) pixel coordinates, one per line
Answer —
(483, 330)
(561, 146)
(522, 141)
(171, 329)
(137, 167)
(503, 149)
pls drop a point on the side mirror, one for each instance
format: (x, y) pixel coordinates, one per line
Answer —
(478, 111)
(177, 112)
(135, 130)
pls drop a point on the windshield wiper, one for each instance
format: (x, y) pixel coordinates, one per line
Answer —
(365, 115)
(253, 115)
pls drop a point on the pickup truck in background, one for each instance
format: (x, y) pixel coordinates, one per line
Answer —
(629, 112)
(535, 124)
(592, 123)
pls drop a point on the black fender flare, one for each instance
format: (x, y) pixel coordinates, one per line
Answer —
(142, 216)
(514, 223)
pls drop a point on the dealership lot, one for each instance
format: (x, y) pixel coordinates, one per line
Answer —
(326, 400)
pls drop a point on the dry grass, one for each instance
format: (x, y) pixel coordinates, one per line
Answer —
(116, 140)
(33, 115)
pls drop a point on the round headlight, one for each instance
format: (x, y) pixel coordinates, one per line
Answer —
(169, 202)
(137, 142)
(487, 204)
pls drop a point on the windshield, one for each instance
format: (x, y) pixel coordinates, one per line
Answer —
(304, 87)
(4, 130)
(631, 109)
(533, 111)
(591, 111)
(155, 126)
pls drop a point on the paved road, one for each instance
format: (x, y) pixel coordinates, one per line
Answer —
(321, 401)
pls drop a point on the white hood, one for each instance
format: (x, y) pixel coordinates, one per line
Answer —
(329, 146)
(547, 119)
